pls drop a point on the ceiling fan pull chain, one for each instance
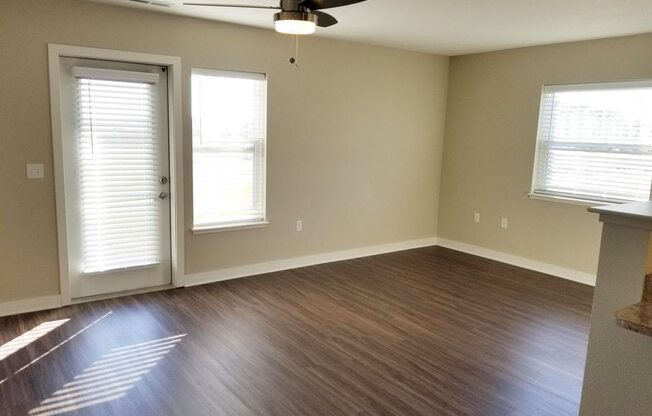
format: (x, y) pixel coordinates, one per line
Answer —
(296, 51)
(294, 59)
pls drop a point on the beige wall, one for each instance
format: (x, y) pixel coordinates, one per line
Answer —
(355, 136)
(489, 147)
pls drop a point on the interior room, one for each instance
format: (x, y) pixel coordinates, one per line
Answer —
(326, 207)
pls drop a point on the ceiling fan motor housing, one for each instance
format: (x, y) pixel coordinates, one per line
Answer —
(297, 17)
(292, 15)
(291, 5)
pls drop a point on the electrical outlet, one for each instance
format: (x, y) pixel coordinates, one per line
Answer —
(299, 225)
(35, 171)
(476, 217)
(503, 223)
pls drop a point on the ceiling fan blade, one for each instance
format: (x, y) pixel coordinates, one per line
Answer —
(327, 4)
(324, 19)
(242, 6)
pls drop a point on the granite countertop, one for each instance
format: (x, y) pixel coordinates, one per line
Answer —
(638, 317)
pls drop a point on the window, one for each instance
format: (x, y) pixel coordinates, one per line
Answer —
(595, 142)
(229, 117)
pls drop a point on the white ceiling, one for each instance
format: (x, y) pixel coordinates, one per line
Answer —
(451, 27)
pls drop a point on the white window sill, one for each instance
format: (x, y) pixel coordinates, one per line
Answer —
(230, 227)
(567, 200)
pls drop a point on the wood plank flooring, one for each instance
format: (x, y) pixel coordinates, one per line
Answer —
(421, 332)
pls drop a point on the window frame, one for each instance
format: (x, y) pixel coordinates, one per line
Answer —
(260, 151)
(583, 86)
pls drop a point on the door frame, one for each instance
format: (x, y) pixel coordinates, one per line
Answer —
(173, 63)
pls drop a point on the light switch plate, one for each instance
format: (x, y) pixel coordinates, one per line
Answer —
(35, 171)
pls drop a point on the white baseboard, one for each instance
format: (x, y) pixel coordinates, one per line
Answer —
(564, 273)
(54, 301)
(295, 262)
(16, 307)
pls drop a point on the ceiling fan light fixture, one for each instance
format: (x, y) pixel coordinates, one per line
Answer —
(295, 23)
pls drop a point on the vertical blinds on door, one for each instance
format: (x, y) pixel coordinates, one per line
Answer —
(228, 143)
(595, 142)
(118, 169)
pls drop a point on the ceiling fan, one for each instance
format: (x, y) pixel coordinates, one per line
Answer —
(296, 17)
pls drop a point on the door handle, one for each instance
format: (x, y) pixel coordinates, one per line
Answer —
(163, 195)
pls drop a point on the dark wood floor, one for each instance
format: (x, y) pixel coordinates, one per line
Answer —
(421, 332)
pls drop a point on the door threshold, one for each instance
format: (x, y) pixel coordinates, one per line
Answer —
(121, 294)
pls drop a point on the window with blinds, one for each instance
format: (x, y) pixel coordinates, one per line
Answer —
(229, 122)
(117, 153)
(595, 142)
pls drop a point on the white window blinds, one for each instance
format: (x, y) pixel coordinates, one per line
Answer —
(229, 117)
(117, 147)
(595, 142)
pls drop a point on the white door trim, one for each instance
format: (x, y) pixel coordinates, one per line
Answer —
(55, 52)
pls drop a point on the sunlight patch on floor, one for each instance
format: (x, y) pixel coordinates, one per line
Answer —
(109, 378)
(28, 337)
(63, 342)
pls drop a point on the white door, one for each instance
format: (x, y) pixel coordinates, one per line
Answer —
(116, 170)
